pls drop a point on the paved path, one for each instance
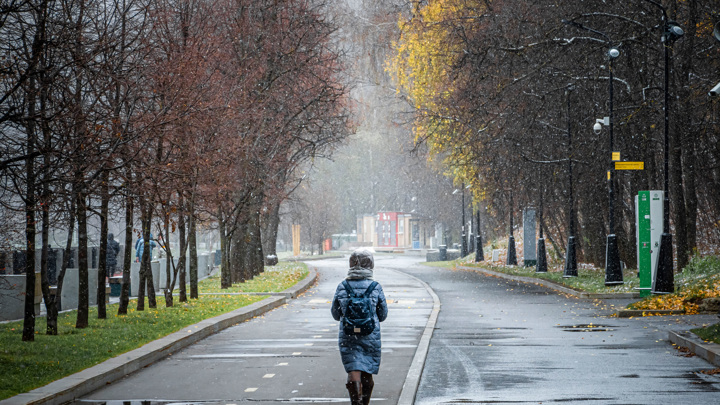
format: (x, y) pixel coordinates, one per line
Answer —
(288, 355)
(504, 342)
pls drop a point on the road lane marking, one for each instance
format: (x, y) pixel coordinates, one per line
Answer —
(250, 389)
(269, 376)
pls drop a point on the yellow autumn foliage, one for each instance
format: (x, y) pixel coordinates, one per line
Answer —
(427, 49)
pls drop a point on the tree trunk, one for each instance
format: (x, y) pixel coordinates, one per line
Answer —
(67, 252)
(169, 261)
(28, 334)
(690, 134)
(192, 242)
(270, 229)
(83, 272)
(239, 254)
(225, 277)
(127, 256)
(50, 306)
(152, 298)
(102, 259)
(182, 288)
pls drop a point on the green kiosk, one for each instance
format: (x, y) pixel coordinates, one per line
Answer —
(648, 228)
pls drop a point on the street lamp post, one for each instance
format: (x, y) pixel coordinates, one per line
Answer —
(541, 265)
(664, 282)
(613, 272)
(511, 253)
(570, 258)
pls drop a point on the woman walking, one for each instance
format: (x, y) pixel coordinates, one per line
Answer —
(359, 304)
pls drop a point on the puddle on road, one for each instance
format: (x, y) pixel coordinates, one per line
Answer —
(591, 327)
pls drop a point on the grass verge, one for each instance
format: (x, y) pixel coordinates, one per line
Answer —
(29, 365)
(274, 279)
(709, 333)
(590, 279)
(700, 279)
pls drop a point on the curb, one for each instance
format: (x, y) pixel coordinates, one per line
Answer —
(707, 350)
(553, 285)
(630, 313)
(412, 380)
(73, 386)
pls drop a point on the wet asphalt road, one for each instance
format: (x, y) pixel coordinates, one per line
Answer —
(504, 342)
(496, 342)
(288, 355)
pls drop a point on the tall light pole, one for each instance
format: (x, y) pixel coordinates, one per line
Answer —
(570, 257)
(613, 272)
(664, 276)
(511, 253)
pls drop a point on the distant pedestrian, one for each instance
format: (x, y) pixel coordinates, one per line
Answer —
(140, 247)
(113, 248)
(359, 339)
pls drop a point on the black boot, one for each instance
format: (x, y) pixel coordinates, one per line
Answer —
(356, 392)
(367, 388)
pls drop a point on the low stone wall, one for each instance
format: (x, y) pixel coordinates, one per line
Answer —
(205, 261)
(12, 296)
(71, 287)
(12, 287)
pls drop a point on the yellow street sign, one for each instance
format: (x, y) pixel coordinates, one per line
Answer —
(629, 165)
(615, 156)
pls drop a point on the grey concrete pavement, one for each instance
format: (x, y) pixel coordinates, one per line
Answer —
(506, 342)
(286, 355)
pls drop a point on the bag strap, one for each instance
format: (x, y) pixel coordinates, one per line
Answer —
(370, 289)
(348, 288)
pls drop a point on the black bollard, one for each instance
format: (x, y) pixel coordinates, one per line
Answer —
(511, 256)
(570, 259)
(479, 254)
(664, 282)
(613, 272)
(541, 265)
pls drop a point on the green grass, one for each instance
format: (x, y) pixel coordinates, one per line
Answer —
(709, 333)
(589, 279)
(28, 365)
(274, 279)
(700, 279)
(448, 264)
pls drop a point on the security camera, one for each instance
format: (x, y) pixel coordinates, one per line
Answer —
(597, 128)
(714, 91)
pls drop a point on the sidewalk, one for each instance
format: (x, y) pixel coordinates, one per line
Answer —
(407, 335)
(90, 379)
(682, 337)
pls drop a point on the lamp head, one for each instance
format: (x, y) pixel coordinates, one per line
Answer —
(613, 53)
(674, 32)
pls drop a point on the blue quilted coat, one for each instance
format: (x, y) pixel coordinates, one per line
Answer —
(360, 353)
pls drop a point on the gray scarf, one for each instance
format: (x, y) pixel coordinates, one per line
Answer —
(358, 273)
